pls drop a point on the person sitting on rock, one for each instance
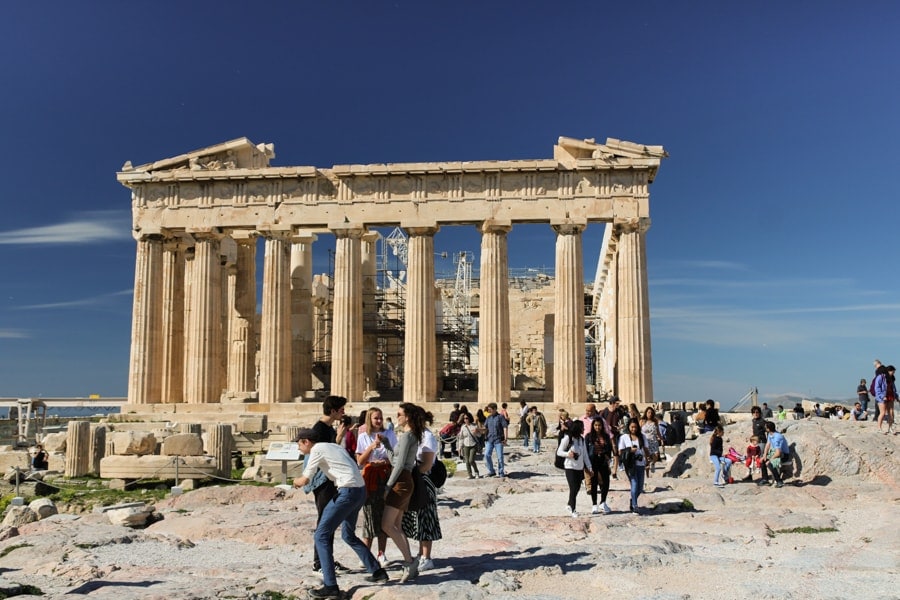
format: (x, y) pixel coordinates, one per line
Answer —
(752, 457)
(858, 414)
(40, 460)
(776, 453)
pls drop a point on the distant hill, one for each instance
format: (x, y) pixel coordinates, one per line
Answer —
(789, 400)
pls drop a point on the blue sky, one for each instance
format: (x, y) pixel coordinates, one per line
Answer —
(772, 251)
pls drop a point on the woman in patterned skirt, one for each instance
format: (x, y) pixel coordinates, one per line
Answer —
(423, 525)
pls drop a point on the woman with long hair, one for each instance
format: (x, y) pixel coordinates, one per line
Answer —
(599, 449)
(468, 444)
(573, 449)
(716, 456)
(399, 487)
(423, 525)
(373, 455)
(632, 451)
(650, 429)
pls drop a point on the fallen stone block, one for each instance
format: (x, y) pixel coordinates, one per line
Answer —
(137, 443)
(157, 467)
(182, 444)
(19, 515)
(43, 507)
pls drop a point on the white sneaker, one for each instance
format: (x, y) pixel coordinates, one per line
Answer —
(382, 560)
(595, 510)
(605, 508)
(425, 564)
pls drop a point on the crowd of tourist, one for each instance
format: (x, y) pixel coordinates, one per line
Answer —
(374, 468)
(391, 473)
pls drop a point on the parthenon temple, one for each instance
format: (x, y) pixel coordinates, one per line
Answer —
(199, 337)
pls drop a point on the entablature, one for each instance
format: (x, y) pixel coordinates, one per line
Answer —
(584, 181)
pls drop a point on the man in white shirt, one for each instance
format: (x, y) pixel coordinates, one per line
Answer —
(342, 511)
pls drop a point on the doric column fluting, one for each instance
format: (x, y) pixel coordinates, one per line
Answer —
(301, 314)
(172, 328)
(635, 367)
(144, 379)
(419, 358)
(493, 331)
(275, 334)
(204, 322)
(242, 316)
(568, 327)
(369, 251)
(347, 334)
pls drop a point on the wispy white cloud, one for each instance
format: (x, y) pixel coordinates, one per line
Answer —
(85, 228)
(16, 334)
(94, 301)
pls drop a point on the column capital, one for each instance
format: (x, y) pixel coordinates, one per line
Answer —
(303, 236)
(274, 232)
(243, 236)
(149, 237)
(640, 225)
(205, 233)
(420, 228)
(568, 227)
(348, 230)
(495, 226)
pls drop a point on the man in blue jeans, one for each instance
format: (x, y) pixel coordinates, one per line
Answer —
(342, 511)
(497, 430)
(776, 452)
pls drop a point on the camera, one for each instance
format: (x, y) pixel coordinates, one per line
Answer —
(575, 455)
(638, 457)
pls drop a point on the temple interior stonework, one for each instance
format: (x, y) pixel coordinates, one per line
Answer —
(381, 325)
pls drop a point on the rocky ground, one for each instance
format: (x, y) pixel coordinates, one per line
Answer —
(830, 533)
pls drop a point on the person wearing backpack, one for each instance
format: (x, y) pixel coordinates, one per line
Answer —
(885, 395)
(577, 461)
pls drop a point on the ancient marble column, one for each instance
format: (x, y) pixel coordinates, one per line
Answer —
(98, 447)
(204, 324)
(369, 250)
(347, 331)
(302, 329)
(493, 330)
(610, 315)
(219, 445)
(275, 334)
(172, 328)
(144, 380)
(569, 386)
(419, 359)
(635, 367)
(78, 449)
(242, 318)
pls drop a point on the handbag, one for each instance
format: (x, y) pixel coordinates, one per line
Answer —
(559, 461)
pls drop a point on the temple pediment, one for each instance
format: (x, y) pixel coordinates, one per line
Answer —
(240, 153)
(574, 153)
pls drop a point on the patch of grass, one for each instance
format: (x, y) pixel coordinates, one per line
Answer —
(805, 529)
(687, 504)
(9, 549)
(89, 496)
(451, 466)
